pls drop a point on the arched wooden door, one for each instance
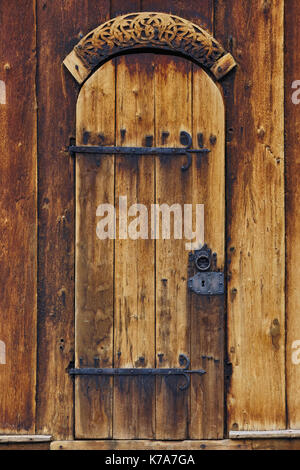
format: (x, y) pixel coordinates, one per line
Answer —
(133, 305)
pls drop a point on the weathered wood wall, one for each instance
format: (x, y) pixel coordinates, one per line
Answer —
(255, 212)
(57, 94)
(18, 216)
(292, 136)
(36, 394)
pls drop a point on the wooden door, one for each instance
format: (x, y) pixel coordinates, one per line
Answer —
(133, 307)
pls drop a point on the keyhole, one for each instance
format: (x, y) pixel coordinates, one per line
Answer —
(203, 283)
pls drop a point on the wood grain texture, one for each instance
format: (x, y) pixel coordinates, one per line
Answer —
(226, 444)
(255, 212)
(276, 444)
(26, 446)
(200, 13)
(207, 328)
(121, 7)
(292, 132)
(173, 113)
(221, 444)
(23, 438)
(134, 322)
(283, 434)
(18, 217)
(60, 24)
(94, 273)
(154, 445)
(207, 315)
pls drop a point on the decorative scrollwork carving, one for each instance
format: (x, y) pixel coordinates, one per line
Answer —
(152, 29)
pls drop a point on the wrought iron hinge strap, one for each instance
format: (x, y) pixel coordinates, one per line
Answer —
(183, 372)
(102, 150)
(134, 150)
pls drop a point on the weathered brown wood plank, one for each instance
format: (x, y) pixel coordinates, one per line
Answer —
(207, 315)
(255, 212)
(221, 444)
(156, 445)
(18, 216)
(207, 329)
(26, 446)
(121, 7)
(173, 114)
(275, 444)
(226, 444)
(134, 322)
(201, 13)
(94, 273)
(60, 25)
(292, 132)
(283, 434)
(23, 438)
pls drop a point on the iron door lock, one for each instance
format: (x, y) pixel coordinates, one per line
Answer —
(206, 281)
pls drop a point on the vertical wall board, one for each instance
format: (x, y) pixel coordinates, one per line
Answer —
(201, 13)
(173, 113)
(59, 27)
(94, 270)
(18, 217)
(292, 130)
(121, 7)
(253, 30)
(134, 267)
(207, 314)
(211, 425)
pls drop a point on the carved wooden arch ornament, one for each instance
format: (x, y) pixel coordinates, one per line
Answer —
(148, 29)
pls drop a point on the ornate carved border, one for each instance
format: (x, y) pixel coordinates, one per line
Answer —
(149, 29)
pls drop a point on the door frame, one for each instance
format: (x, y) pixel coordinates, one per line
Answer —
(104, 43)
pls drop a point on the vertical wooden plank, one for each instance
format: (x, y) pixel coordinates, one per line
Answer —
(18, 216)
(292, 132)
(94, 396)
(200, 13)
(255, 212)
(94, 273)
(134, 427)
(121, 7)
(134, 397)
(206, 409)
(173, 114)
(60, 25)
(207, 320)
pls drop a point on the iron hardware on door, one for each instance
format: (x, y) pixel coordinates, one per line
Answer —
(206, 281)
(183, 372)
(185, 139)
